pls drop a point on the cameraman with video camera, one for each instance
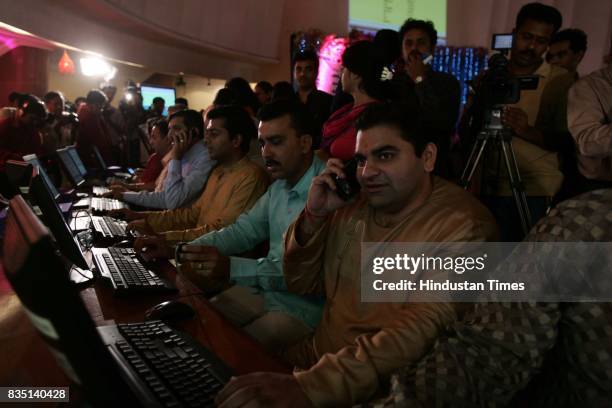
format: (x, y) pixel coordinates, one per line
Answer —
(537, 122)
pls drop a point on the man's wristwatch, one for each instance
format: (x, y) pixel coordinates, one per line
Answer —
(418, 79)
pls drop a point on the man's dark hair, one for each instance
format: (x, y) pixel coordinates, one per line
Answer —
(225, 96)
(31, 104)
(576, 37)
(49, 96)
(162, 125)
(405, 120)
(389, 43)
(192, 120)
(426, 26)
(243, 93)
(96, 96)
(79, 99)
(159, 99)
(540, 13)
(265, 86)
(15, 96)
(301, 118)
(283, 90)
(182, 101)
(306, 55)
(237, 122)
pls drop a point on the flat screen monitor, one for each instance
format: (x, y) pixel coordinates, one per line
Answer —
(19, 175)
(41, 196)
(149, 92)
(77, 160)
(52, 303)
(100, 159)
(73, 172)
(33, 160)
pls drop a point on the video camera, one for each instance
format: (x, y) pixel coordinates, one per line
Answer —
(498, 87)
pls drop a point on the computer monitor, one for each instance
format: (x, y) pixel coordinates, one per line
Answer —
(19, 174)
(72, 171)
(77, 160)
(33, 160)
(149, 92)
(56, 310)
(100, 159)
(40, 195)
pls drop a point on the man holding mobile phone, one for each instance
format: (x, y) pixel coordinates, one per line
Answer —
(358, 344)
(188, 168)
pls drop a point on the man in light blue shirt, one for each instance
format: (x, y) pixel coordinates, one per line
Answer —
(188, 169)
(259, 301)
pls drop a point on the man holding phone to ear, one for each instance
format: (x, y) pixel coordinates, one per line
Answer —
(357, 344)
(436, 93)
(187, 170)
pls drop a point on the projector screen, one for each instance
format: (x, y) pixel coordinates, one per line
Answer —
(149, 92)
(373, 15)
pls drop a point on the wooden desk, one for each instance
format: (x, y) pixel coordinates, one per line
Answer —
(26, 361)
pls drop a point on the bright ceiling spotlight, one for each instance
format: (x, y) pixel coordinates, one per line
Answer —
(94, 66)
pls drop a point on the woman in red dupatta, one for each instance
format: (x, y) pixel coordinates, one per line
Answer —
(367, 79)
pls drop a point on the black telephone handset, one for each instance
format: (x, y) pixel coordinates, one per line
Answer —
(348, 187)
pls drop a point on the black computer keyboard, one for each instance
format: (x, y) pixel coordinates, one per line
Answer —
(110, 229)
(179, 371)
(102, 205)
(127, 273)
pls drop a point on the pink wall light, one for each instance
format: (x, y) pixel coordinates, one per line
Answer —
(330, 62)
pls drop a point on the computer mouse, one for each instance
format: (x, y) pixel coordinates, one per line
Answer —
(124, 244)
(171, 310)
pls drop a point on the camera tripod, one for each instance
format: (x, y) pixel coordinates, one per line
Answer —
(502, 136)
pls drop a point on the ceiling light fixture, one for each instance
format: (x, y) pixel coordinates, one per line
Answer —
(94, 66)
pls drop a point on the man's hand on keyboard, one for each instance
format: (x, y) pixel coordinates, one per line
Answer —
(140, 226)
(153, 247)
(206, 261)
(117, 192)
(126, 214)
(263, 390)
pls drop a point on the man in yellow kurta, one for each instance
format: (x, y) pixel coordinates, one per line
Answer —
(537, 122)
(234, 185)
(358, 345)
